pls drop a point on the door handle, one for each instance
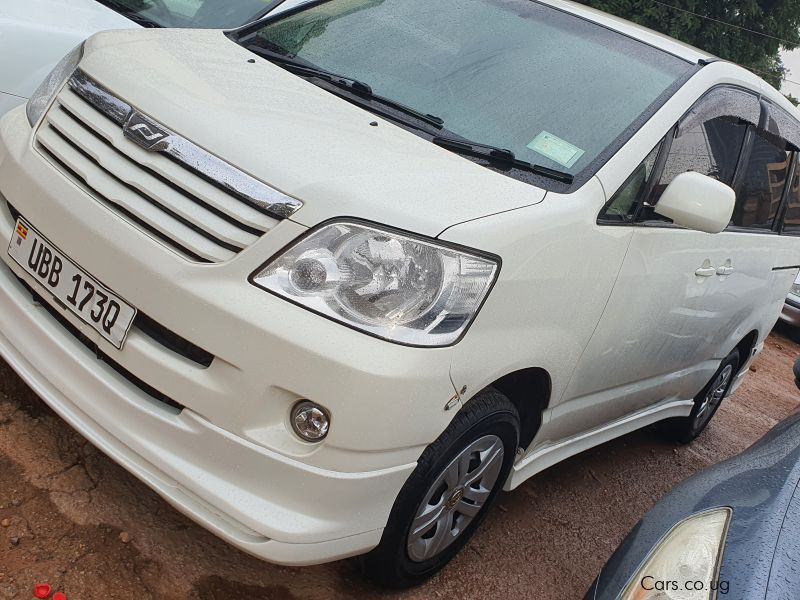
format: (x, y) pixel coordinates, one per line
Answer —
(705, 272)
(726, 270)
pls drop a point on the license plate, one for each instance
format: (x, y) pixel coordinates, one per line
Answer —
(70, 285)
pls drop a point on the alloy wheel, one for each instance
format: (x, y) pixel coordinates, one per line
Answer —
(714, 396)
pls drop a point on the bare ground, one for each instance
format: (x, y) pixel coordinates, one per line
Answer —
(71, 517)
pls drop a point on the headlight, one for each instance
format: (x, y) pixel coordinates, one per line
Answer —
(795, 289)
(685, 564)
(38, 103)
(391, 285)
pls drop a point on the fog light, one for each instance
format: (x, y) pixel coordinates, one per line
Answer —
(310, 421)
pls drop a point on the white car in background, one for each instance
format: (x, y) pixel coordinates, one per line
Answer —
(35, 34)
(791, 308)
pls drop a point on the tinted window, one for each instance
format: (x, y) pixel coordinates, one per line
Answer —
(623, 204)
(555, 89)
(763, 181)
(710, 137)
(791, 220)
(711, 147)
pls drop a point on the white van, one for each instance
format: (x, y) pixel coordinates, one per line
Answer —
(329, 282)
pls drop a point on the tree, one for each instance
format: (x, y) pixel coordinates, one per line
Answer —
(720, 27)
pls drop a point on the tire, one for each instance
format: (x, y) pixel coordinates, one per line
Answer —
(706, 403)
(487, 425)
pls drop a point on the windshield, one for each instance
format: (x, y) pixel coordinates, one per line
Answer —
(212, 14)
(551, 87)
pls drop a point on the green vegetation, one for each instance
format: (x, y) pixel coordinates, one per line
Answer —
(748, 32)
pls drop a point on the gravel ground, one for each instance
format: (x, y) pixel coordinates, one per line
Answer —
(71, 517)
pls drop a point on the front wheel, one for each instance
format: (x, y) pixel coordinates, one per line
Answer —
(449, 493)
(706, 403)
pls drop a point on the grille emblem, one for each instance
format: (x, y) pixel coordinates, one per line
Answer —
(154, 137)
(145, 132)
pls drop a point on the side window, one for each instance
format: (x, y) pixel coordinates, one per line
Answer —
(711, 148)
(787, 127)
(791, 219)
(622, 206)
(708, 140)
(759, 194)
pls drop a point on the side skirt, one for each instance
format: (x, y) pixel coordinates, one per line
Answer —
(553, 453)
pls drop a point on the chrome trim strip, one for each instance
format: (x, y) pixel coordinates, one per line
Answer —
(112, 107)
(154, 137)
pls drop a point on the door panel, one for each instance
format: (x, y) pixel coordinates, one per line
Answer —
(681, 295)
(656, 338)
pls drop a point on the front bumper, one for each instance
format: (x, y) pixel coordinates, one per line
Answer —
(205, 456)
(228, 459)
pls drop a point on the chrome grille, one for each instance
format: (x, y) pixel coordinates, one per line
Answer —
(206, 210)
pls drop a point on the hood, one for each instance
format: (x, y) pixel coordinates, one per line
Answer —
(37, 33)
(295, 136)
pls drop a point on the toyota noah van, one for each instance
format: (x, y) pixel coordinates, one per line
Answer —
(329, 282)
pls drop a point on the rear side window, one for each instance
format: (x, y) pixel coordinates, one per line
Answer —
(791, 220)
(763, 181)
(786, 127)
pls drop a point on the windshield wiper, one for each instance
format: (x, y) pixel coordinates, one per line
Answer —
(302, 68)
(361, 89)
(499, 155)
(126, 11)
(364, 90)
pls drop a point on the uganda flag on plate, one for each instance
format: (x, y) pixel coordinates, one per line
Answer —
(22, 231)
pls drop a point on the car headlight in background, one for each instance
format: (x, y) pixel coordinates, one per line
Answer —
(41, 98)
(685, 564)
(795, 289)
(392, 285)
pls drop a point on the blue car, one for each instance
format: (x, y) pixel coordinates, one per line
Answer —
(731, 531)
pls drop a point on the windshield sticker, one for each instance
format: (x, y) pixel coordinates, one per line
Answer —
(556, 149)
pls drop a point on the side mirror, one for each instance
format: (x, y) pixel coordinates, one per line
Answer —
(697, 201)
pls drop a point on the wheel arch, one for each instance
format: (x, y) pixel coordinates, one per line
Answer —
(529, 391)
(745, 347)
